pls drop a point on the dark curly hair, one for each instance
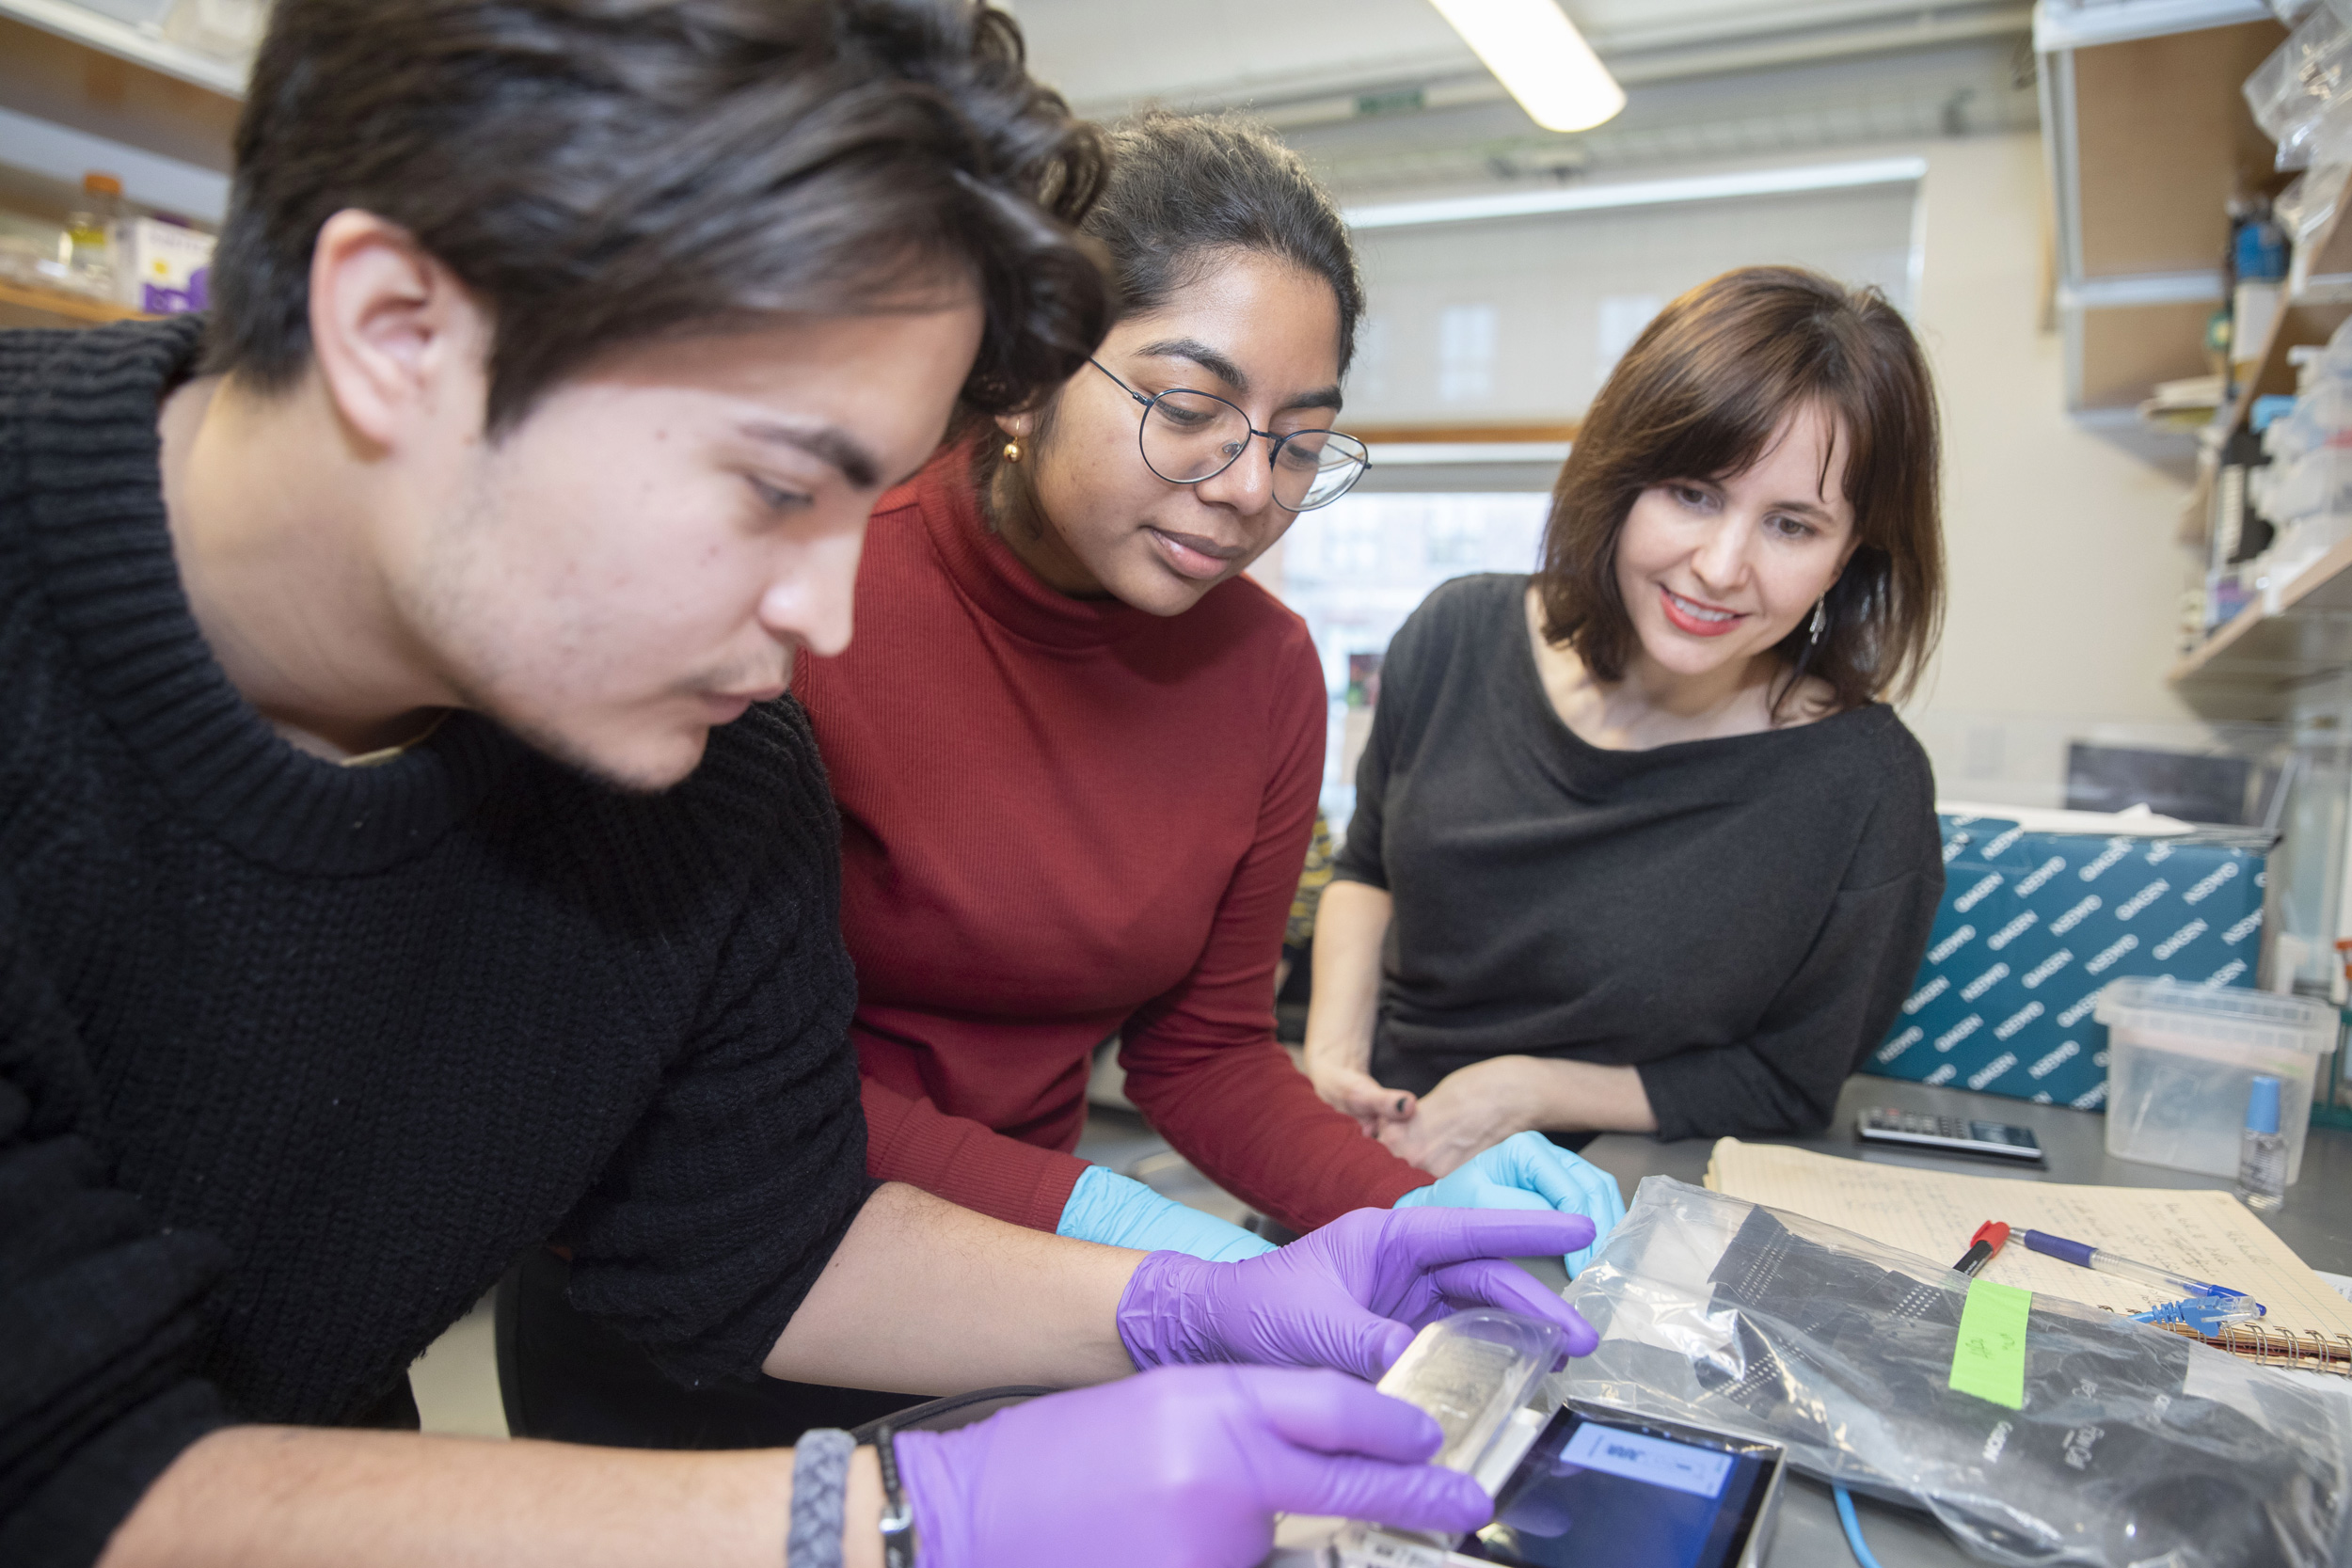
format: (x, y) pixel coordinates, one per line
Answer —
(1185, 191)
(605, 171)
(1185, 187)
(1700, 395)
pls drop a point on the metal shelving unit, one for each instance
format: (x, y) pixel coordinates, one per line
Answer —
(127, 41)
(2148, 137)
(2300, 629)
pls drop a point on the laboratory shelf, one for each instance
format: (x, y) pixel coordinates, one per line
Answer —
(129, 40)
(2302, 631)
(21, 305)
(2307, 322)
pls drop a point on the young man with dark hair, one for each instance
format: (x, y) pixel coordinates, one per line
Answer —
(406, 855)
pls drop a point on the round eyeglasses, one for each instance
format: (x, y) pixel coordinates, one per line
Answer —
(1187, 436)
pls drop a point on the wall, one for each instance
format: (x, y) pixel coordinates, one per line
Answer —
(1521, 319)
(2065, 582)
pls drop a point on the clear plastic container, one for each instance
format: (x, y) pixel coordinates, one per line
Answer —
(1474, 1371)
(2183, 1058)
(1471, 1370)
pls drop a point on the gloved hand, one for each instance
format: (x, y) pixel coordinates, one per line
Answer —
(1181, 1469)
(1109, 1207)
(1527, 1170)
(1351, 1295)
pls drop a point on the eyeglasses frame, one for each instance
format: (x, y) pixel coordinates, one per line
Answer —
(1273, 452)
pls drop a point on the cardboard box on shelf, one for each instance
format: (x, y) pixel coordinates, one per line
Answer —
(2035, 925)
(163, 269)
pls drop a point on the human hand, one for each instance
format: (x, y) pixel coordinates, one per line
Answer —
(1351, 1090)
(1350, 1295)
(1179, 1468)
(1472, 1110)
(1528, 1170)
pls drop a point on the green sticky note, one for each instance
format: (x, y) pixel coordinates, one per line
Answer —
(1989, 1360)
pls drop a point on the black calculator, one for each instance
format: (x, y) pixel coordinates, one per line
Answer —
(1950, 1134)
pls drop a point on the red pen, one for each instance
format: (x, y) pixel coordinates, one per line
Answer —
(1983, 1246)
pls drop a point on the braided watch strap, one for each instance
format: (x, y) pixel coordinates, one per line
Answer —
(820, 1483)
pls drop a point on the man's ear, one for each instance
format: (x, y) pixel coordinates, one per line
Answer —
(396, 337)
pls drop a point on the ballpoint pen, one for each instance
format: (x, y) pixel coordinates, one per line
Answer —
(2208, 1315)
(2083, 1255)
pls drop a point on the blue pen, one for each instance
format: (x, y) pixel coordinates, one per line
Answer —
(2083, 1255)
(2208, 1315)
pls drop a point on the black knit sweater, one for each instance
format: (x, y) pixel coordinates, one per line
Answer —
(1736, 919)
(294, 1058)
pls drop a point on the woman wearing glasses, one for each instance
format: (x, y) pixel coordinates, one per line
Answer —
(1077, 753)
(1077, 757)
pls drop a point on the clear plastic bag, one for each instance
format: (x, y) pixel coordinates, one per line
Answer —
(2290, 91)
(2327, 153)
(2135, 1449)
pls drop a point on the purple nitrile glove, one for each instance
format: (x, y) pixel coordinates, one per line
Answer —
(1351, 1294)
(1181, 1468)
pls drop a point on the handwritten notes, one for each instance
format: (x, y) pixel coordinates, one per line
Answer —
(1989, 1358)
(2202, 1233)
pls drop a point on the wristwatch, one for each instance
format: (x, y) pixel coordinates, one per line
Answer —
(897, 1514)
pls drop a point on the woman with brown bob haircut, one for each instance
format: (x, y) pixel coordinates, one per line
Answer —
(1638, 844)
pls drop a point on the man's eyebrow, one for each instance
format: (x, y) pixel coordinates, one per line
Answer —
(1223, 368)
(826, 443)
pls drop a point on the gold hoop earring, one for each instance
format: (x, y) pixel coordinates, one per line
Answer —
(1012, 452)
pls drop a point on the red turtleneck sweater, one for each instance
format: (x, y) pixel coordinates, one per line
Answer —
(1062, 820)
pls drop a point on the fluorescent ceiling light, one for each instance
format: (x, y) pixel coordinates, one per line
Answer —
(1639, 193)
(1536, 53)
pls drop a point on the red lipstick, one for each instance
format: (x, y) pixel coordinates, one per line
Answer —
(1696, 626)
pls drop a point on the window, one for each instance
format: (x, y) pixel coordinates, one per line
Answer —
(1466, 354)
(1356, 568)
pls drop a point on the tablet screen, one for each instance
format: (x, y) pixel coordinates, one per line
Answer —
(1605, 1494)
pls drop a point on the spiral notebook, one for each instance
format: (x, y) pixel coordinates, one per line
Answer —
(2205, 1234)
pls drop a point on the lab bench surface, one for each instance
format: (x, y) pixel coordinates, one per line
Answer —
(2317, 1223)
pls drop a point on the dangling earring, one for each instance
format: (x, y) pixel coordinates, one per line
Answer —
(1819, 615)
(1012, 452)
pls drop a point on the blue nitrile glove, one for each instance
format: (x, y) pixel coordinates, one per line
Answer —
(1528, 1170)
(1109, 1207)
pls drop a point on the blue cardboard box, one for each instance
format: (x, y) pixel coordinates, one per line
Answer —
(2035, 925)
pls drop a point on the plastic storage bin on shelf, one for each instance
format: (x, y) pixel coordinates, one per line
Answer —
(2183, 1058)
(2305, 490)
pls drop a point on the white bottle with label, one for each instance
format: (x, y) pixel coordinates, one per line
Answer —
(91, 246)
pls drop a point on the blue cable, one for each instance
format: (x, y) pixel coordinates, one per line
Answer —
(1853, 1526)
